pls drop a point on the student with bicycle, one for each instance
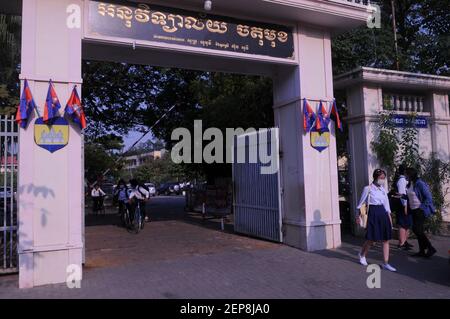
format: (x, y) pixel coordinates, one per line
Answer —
(139, 194)
(121, 194)
(97, 195)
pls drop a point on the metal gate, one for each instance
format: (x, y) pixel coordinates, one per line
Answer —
(9, 143)
(256, 199)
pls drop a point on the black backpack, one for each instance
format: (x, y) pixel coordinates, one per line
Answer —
(144, 187)
(395, 203)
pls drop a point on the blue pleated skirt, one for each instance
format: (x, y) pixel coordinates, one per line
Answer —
(404, 221)
(379, 226)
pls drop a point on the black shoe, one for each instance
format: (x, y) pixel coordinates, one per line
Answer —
(431, 251)
(404, 247)
(419, 254)
(408, 245)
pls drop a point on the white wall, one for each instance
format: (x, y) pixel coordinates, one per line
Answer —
(50, 185)
(309, 178)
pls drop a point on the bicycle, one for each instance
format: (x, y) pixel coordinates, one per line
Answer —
(138, 220)
(135, 224)
(125, 216)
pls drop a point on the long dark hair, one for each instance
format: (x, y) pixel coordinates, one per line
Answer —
(401, 170)
(413, 175)
(121, 182)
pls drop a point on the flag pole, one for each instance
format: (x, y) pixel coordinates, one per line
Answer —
(135, 143)
(394, 26)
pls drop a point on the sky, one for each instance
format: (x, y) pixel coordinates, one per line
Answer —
(133, 136)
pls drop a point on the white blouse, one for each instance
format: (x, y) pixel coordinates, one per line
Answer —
(414, 202)
(401, 187)
(378, 196)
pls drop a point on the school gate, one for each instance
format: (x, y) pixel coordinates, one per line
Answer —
(9, 139)
(289, 41)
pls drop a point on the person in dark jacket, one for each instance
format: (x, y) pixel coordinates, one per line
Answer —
(420, 204)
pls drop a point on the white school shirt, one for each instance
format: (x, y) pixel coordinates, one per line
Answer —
(97, 193)
(140, 193)
(402, 184)
(378, 196)
(414, 202)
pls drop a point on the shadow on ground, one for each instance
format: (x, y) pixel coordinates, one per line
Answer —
(434, 270)
(159, 209)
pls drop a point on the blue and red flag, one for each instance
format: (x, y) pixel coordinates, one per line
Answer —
(322, 119)
(309, 116)
(25, 107)
(52, 105)
(334, 114)
(75, 110)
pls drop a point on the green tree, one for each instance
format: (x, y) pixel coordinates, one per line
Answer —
(160, 171)
(10, 37)
(220, 100)
(101, 156)
(423, 39)
(393, 147)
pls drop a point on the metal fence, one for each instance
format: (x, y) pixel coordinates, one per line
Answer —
(9, 144)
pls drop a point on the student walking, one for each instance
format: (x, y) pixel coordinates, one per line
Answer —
(399, 206)
(379, 221)
(421, 207)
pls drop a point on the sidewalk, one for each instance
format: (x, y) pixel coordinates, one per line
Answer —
(177, 257)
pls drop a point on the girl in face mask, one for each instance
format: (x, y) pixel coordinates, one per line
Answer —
(379, 221)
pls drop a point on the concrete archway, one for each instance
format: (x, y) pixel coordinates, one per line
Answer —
(56, 36)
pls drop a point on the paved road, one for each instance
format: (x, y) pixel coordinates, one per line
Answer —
(181, 257)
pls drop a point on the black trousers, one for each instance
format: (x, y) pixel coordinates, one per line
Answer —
(419, 229)
(97, 203)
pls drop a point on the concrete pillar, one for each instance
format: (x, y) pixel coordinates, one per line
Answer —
(50, 185)
(364, 103)
(309, 179)
(440, 132)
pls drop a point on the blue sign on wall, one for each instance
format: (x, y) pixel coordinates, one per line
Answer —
(401, 120)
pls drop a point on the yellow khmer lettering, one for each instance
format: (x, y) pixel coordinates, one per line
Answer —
(216, 26)
(174, 25)
(257, 33)
(282, 36)
(193, 23)
(243, 30)
(105, 9)
(125, 14)
(173, 22)
(159, 18)
(142, 14)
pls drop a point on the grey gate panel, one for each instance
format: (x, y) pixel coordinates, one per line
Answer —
(9, 144)
(256, 199)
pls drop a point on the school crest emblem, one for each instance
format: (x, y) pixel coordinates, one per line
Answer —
(51, 137)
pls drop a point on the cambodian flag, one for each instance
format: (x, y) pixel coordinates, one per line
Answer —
(52, 105)
(25, 107)
(75, 110)
(322, 119)
(334, 114)
(308, 116)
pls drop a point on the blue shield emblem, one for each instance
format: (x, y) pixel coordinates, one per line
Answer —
(51, 137)
(320, 140)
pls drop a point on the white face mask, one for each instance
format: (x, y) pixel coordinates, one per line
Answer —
(381, 182)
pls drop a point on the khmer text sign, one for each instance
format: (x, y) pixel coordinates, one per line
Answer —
(168, 25)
